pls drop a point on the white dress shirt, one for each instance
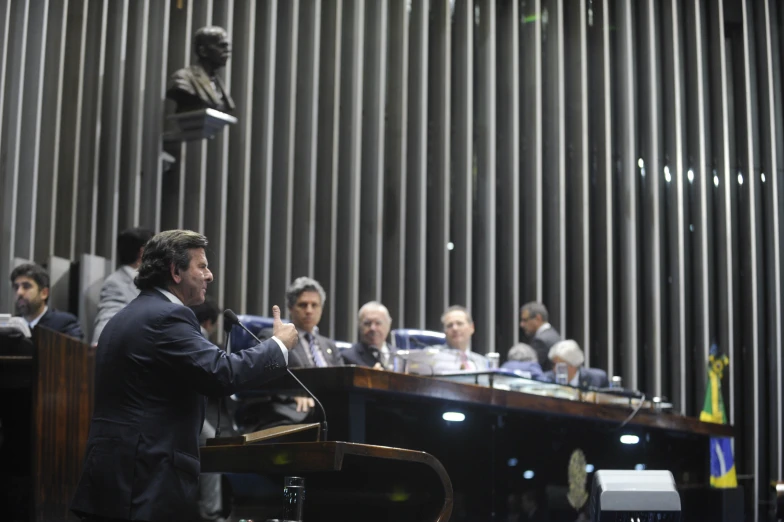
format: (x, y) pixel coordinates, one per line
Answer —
(545, 326)
(132, 272)
(35, 321)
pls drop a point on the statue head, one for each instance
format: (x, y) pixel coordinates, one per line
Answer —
(212, 47)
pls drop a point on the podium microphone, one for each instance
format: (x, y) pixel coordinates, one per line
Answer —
(229, 320)
(227, 330)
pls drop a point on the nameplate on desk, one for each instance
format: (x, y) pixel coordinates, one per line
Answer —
(291, 433)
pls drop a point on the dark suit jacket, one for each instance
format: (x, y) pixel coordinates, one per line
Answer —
(360, 355)
(589, 378)
(153, 368)
(542, 342)
(62, 322)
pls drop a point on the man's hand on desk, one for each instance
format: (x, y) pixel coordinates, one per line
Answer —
(287, 333)
(304, 404)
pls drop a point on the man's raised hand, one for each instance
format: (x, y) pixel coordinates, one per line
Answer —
(287, 333)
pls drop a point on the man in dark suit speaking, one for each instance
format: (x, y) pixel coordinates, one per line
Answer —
(153, 370)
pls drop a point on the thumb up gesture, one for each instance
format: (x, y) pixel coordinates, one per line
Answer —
(287, 333)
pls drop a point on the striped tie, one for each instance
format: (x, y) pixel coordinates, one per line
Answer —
(315, 352)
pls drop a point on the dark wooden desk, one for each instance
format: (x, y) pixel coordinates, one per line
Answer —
(47, 402)
(366, 380)
(510, 442)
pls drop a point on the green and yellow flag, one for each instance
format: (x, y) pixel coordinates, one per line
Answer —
(722, 459)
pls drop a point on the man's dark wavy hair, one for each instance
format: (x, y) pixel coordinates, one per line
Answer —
(163, 250)
(35, 272)
(129, 242)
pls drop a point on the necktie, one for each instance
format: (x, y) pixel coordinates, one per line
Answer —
(465, 364)
(315, 352)
(378, 356)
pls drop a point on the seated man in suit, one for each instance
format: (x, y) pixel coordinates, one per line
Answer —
(30, 283)
(372, 349)
(118, 289)
(523, 361)
(305, 298)
(534, 322)
(457, 355)
(569, 352)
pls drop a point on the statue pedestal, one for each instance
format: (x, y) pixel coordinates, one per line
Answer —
(198, 125)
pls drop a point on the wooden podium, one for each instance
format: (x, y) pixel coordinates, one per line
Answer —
(343, 481)
(48, 403)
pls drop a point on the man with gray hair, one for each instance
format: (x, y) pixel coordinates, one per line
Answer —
(569, 353)
(372, 349)
(522, 360)
(305, 298)
(534, 320)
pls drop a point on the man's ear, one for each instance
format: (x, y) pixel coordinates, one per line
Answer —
(44, 293)
(175, 273)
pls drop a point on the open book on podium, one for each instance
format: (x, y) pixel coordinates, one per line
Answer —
(343, 480)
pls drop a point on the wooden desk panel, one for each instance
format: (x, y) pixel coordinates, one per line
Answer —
(48, 403)
(510, 442)
(366, 379)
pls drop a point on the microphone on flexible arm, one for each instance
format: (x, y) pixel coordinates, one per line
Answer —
(230, 319)
(227, 329)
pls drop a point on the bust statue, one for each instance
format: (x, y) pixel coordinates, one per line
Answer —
(198, 86)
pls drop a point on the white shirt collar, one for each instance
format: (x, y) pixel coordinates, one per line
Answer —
(545, 326)
(468, 349)
(35, 321)
(132, 272)
(170, 296)
(576, 379)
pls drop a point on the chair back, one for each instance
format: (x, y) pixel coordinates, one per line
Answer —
(412, 339)
(239, 339)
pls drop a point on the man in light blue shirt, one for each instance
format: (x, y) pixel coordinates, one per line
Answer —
(457, 356)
